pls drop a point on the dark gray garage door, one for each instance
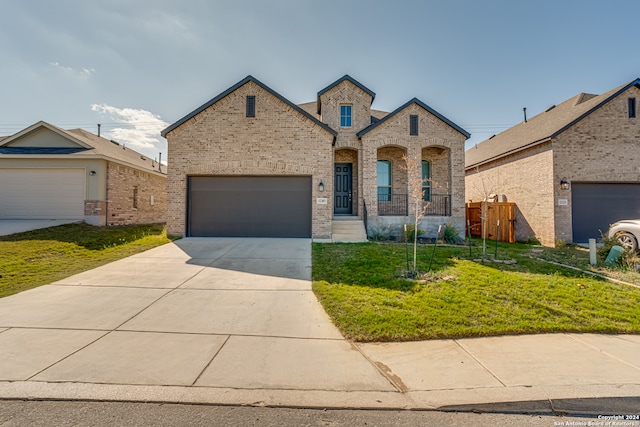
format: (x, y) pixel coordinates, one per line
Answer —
(597, 205)
(249, 206)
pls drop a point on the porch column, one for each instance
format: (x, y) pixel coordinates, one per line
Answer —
(456, 171)
(370, 178)
(413, 155)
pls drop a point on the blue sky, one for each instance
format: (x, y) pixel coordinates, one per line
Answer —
(137, 65)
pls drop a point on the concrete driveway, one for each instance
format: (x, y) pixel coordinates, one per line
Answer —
(200, 312)
(234, 321)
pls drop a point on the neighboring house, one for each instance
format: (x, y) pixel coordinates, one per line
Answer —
(50, 173)
(571, 170)
(251, 163)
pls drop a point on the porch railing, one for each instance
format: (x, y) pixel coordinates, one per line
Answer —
(398, 205)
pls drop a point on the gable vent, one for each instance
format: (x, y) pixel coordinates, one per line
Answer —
(251, 106)
(413, 125)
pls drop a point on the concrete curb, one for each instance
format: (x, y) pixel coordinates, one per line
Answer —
(593, 400)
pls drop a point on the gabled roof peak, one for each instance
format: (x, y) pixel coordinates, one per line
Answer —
(421, 105)
(351, 80)
(542, 127)
(233, 88)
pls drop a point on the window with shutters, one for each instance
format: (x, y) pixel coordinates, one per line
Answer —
(413, 125)
(251, 106)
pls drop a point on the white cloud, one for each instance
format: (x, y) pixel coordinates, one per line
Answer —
(82, 73)
(139, 129)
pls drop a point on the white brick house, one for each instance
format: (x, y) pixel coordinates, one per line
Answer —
(572, 170)
(251, 163)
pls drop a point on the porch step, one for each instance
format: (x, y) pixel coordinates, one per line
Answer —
(349, 229)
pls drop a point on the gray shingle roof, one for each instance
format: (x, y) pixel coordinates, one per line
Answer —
(541, 127)
(89, 145)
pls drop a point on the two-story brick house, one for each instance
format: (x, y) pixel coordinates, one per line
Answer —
(572, 170)
(251, 163)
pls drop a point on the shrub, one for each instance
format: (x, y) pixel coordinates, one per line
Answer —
(380, 233)
(409, 233)
(451, 234)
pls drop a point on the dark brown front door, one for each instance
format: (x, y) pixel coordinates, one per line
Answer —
(343, 205)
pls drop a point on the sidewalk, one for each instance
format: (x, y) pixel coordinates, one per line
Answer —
(234, 322)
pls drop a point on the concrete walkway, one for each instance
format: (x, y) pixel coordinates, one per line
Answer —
(234, 321)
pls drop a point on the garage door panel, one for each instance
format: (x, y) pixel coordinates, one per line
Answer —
(42, 193)
(597, 205)
(250, 206)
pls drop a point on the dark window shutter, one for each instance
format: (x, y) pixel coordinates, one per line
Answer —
(632, 108)
(251, 106)
(413, 125)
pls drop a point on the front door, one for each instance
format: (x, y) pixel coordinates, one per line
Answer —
(343, 205)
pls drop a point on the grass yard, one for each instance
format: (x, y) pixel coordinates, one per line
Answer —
(39, 257)
(362, 289)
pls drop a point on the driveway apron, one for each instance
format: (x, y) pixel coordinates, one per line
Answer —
(199, 312)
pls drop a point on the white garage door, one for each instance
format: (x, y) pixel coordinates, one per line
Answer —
(42, 193)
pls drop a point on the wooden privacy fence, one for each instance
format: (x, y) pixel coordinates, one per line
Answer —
(504, 212)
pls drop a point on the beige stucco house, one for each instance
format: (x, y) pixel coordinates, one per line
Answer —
(251, 163)
(572, 170)
(51, 173)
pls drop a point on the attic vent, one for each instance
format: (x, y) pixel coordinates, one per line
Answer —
(251, 106)
(550, 108)
(413, 125)
(115, 142)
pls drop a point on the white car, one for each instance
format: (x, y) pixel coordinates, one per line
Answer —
(627, 232)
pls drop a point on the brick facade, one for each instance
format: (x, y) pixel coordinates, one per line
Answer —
(526, 178)
(600, 147)
(133, 196)
(219, 139)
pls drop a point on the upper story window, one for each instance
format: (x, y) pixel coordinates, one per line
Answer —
(426, 180)
(345, 116)
(384, 180)
(632, 108)
(251, 106)
(413, 125)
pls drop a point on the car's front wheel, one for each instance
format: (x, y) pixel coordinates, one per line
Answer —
(628, 241)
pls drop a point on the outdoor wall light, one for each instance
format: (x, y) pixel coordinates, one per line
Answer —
(564, 184)
(92, 173)
(321, 187)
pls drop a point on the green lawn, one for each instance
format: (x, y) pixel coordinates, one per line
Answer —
(361, 287)
(38, 257)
